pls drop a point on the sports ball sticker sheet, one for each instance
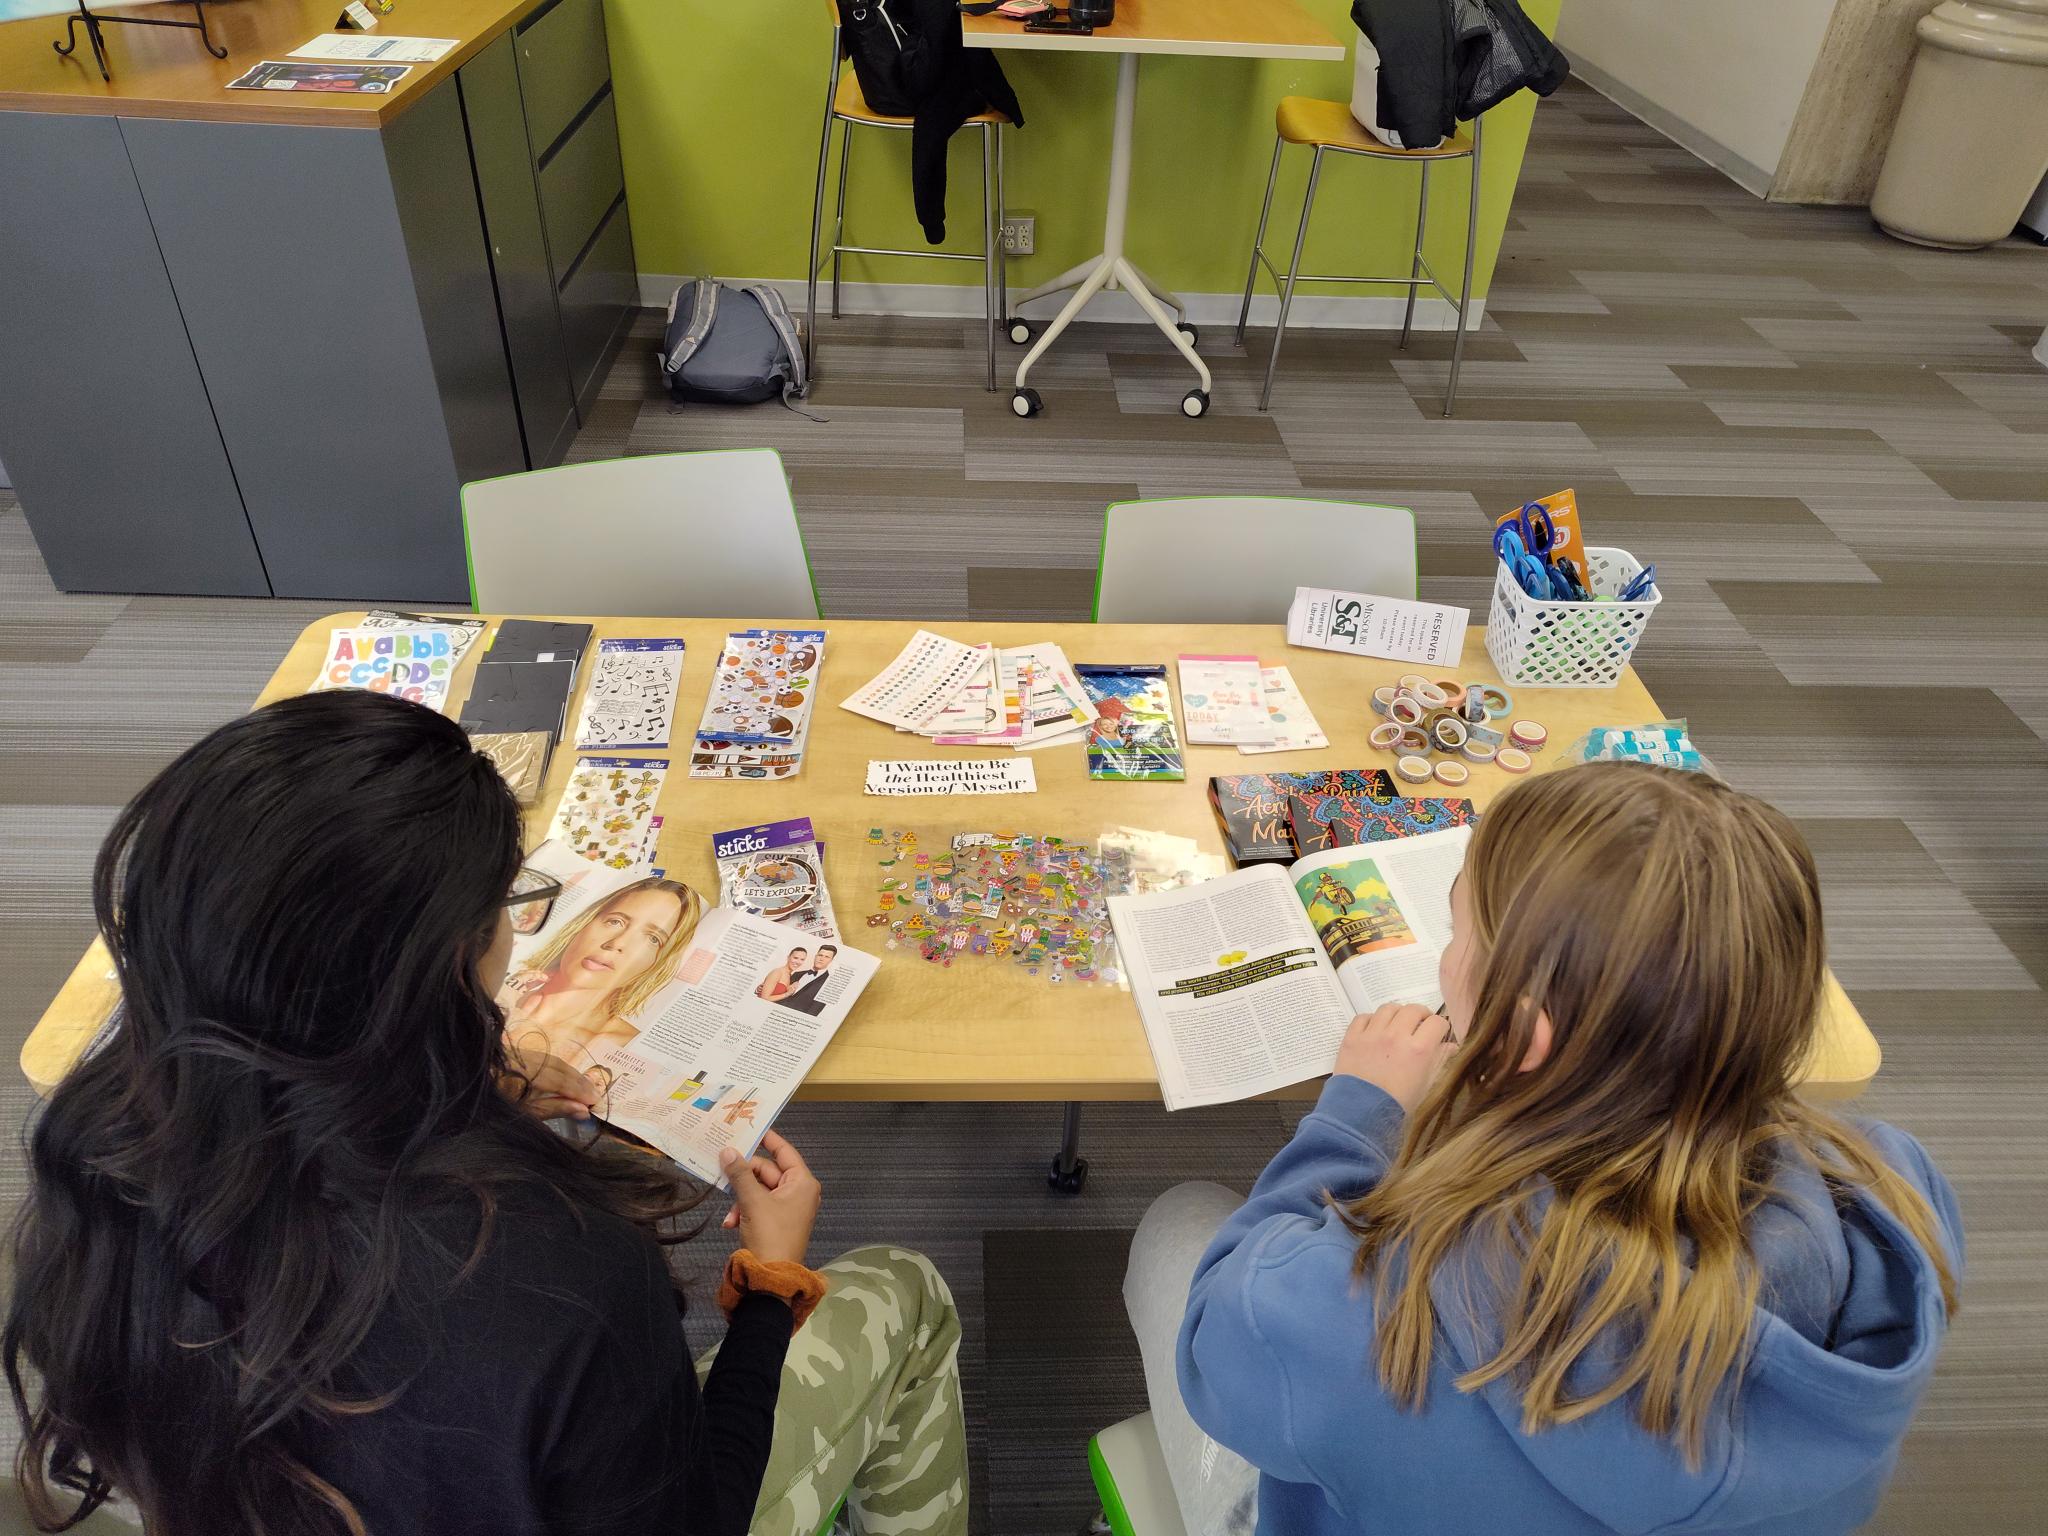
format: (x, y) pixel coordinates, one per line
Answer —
(758, 714)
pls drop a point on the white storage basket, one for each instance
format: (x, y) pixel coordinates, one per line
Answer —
(1540, 644)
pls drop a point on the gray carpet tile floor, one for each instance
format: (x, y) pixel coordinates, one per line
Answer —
(1834, 445)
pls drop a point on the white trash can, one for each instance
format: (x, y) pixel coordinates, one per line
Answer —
(1971, 141)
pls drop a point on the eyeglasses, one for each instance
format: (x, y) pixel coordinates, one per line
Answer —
(531, 899)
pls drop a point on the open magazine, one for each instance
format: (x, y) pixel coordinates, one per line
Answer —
(700, 1022)
(1246, 983)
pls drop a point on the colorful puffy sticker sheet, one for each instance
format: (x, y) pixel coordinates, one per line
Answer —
(1029, 901)
(758, 715)
(1133, 735)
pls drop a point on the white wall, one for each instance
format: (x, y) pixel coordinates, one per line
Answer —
(1730, 70)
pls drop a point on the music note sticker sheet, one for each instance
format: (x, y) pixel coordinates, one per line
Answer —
(630, 700)
(924, 678)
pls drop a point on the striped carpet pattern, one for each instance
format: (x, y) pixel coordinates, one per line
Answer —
(1834, 446)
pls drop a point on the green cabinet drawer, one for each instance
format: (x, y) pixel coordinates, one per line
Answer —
(579, 184)
(562, 64)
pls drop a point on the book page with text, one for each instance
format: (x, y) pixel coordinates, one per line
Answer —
(1236, 996)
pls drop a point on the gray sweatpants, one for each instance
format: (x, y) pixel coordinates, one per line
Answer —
(1218, 1489)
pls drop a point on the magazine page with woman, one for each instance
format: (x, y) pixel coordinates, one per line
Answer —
(698, 1026)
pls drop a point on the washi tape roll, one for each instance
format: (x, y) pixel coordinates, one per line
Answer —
(1431, 695)
(1473, 710)
(1449, 733)
(1479, 751)
(1454, 691)
(1410, 680)
(1514, 759)
(1406, 711)
(1452, 773)
(1486, 734)
(1528, 735)
(1414, 741)
(1386, 737)
(1496, 699)
(1382, 700)
(1415, 770)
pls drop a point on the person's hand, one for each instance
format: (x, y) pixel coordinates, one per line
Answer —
(545, 1085)
(1401, 1048)
(774, 1199)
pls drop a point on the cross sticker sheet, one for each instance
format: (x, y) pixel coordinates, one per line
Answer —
(916, 687)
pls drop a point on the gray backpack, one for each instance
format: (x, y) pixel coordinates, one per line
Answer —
(731, 346)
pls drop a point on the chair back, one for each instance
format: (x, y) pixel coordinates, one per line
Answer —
(671, 535)
(1238, 559)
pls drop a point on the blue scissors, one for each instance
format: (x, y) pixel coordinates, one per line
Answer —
(1537, 577)
(1532, 525)
(1639, 585)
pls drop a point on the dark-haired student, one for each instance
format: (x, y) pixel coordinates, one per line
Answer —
(300, 1257)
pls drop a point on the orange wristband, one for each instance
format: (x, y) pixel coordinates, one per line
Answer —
(746, 1275)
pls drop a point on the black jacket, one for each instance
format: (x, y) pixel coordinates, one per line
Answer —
(1446, 60)
(912, 63)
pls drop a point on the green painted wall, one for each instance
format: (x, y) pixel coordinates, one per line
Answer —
(720, 103)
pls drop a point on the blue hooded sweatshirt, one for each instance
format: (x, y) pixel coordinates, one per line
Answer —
(1277, 1363)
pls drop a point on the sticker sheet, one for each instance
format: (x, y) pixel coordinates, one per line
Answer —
(924, 678)
(462, 632)
(777, 871)
(758, 715)
(990, 711)
(606, 809)
(630, 700)
(521, 756)
(1133, 735)
(415, 664)
(1294, 728)
(1055, 704)
(1222, 700)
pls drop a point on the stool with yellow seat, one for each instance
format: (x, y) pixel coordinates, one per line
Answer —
(845, 106)
(1328, 127)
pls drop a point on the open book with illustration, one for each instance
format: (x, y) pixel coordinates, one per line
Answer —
(698, 1023)
(1247, 983)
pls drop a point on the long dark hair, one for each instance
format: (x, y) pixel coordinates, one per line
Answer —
(306, 1061)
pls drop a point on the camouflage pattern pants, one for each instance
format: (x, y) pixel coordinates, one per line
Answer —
(870, 1406)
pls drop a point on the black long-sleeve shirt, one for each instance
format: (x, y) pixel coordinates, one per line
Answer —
(549, 1390)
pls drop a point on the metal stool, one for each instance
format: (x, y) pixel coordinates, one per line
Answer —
(845, 106)
(1329, 128)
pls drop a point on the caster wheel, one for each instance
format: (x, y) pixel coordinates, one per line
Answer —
(1195, 403)
(1026, 403)
(1020, 330)
(1194, 336)
(1068, 1181)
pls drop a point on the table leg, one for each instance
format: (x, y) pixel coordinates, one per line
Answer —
(1111, 269)
(1069, 1167)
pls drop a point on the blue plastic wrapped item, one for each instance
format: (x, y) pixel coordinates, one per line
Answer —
(1663, 743)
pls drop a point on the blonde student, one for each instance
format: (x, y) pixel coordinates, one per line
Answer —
(1573, 1255)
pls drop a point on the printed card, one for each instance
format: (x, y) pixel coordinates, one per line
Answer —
(1389, 627)
(967, 776)
(630, 700)
(924, 678)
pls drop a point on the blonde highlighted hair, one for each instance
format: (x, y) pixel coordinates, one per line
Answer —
(1669, 928)
(624, 1002)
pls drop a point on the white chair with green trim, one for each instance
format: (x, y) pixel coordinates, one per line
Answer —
(1132, 1481)
(1238, 559)
(671, 535)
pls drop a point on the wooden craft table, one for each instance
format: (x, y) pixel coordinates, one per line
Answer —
(1217, 29)
(982, 1030)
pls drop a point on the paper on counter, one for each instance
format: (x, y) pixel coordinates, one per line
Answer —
(386, 50)
(1222, 700)
(1390, 627)
(965, 776)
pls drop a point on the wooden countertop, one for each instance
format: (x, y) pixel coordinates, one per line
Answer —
(159, 72)
(980, 1032)
(1217, 29)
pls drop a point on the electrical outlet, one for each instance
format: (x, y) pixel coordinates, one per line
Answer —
(1020, 233)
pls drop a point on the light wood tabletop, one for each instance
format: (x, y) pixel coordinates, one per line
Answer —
(983, 1029)
(161, 72)
(1220, 29)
